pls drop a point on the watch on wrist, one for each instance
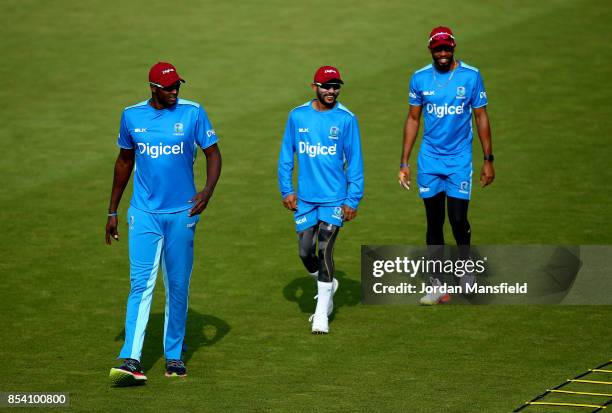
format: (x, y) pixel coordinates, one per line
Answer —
(489, 157)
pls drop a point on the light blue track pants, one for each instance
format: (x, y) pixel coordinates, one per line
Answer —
(155, 239)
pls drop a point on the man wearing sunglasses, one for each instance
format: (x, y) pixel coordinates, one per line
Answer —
(324, 136)
(447, 93)
(158, 138)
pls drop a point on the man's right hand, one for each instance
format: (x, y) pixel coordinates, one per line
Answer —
(111, 229)
(403, 177)
(290, 202)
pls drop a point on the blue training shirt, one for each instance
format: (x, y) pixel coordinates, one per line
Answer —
(328, 149)
(165, 143)
(447, 107)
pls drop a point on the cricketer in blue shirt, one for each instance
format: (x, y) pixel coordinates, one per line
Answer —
(323, 135)
(448, 93)
(158, 138)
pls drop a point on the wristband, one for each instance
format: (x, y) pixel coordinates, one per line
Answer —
(404, 165)
(112, 214)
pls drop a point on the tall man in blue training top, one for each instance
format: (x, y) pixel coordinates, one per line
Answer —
(324, 135)
(446, 92)
(160, 137)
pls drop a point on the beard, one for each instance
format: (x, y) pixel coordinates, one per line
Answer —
(444, 66)
(321, 98)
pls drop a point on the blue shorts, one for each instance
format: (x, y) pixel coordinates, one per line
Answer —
(450, 174)
(309, 214)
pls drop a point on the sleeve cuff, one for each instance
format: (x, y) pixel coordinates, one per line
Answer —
(284, 194)
(351, 203)
(210, 144)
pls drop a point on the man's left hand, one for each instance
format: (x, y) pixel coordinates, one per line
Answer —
(487, 174)
(199, 201)
(348, 213)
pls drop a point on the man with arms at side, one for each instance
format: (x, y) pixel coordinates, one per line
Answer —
(159, 138)
(324, 135)
(446, 93)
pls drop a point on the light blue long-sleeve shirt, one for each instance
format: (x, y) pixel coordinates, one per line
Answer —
(328, 149)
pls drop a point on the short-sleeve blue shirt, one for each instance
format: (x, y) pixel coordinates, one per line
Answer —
(447, 105)
(165, 143)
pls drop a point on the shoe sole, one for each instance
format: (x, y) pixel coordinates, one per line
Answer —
(442, 300)
(175, 375)
(316, 330)
(122, 378)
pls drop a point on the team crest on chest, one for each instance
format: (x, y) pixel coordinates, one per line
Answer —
(334, 131)
(178, 128)
(460, 92)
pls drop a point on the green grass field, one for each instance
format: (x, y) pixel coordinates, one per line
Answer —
(70, 67)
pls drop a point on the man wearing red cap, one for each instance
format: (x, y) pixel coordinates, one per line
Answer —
(447, 93)
(159, 136)
(324, 135)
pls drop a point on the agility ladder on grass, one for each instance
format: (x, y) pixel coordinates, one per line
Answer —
(536, 401)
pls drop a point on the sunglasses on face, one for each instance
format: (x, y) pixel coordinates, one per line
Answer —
(172, 87)
(328, 86)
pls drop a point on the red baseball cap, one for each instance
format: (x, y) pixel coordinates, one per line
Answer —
(441, 35)
(324, 74)
(164, 74)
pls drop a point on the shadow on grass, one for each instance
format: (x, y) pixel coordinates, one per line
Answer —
(302, 291)
(202, 330)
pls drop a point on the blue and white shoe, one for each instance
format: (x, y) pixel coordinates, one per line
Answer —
(128, 374)
(175, 368)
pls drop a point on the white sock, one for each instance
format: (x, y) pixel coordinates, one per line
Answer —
(325, 293)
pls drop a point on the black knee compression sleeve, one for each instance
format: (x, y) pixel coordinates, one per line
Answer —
(327, 239)
(307, 240)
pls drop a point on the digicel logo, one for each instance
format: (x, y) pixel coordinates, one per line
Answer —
(441, 111)
(318, 149)
(156, 151)
(330, 71)
(166, 71)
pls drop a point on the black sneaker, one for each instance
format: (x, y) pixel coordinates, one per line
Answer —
(175, 368)
(128, 374)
